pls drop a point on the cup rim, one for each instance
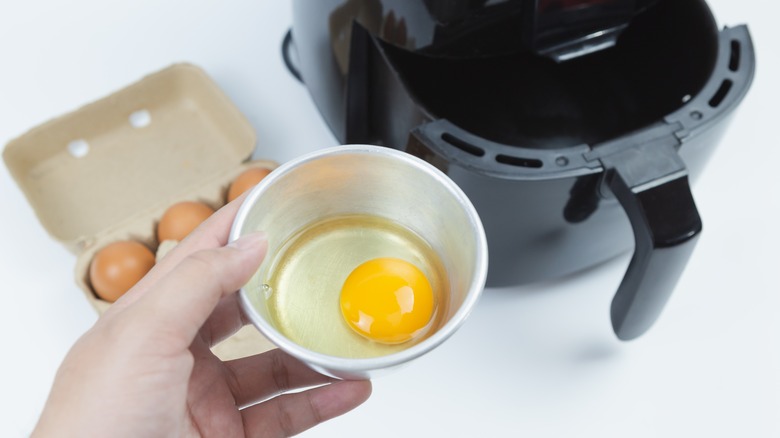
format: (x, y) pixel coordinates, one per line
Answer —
(361, 365)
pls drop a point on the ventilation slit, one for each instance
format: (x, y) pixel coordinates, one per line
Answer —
(735, 53)
(463, 145)
(518, 161)
(719, 95)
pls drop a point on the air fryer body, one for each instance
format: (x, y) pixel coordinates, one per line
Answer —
(541, 196)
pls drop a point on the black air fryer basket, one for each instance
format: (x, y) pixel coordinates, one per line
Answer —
(574, 126)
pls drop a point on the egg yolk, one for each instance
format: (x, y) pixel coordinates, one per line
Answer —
(387, 300)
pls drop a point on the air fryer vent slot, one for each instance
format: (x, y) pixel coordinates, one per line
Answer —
(463, 145)
(719, 95)
(518, 161)
(735, 53)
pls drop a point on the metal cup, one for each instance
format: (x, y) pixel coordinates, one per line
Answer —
(384, 182)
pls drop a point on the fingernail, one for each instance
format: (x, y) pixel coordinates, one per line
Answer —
(249, 241)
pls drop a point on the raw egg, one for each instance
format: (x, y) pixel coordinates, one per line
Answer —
(387, 300)
(248, 179)
(117, 267)
(181, 218)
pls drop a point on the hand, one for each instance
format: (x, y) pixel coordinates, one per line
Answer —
(145, 368)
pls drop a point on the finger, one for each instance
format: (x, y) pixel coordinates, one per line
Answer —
(180, 303)
(212, 233)
(291, 414)
(226, 319)
(265, 375)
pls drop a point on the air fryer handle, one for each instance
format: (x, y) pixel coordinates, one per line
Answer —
(651, 184)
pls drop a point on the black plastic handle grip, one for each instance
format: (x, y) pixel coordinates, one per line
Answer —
(651, 183)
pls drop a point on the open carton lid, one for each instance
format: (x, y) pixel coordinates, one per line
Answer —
(137, 150)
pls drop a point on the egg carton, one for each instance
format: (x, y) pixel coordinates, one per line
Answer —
(109, 170)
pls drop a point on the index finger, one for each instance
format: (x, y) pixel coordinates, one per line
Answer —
(181, 302)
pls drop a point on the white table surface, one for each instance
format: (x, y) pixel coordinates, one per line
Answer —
(534, 361)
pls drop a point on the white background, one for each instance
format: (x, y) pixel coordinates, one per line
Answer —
(536, 361)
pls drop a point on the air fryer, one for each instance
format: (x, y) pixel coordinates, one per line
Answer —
(574, 126)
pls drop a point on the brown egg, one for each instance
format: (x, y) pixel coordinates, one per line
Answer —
(248, 179)
(180, 219)
(117, 267)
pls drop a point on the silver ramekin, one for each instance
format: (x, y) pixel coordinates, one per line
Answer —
(362, 179)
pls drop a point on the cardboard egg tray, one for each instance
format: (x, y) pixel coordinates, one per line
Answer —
(109, 170)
